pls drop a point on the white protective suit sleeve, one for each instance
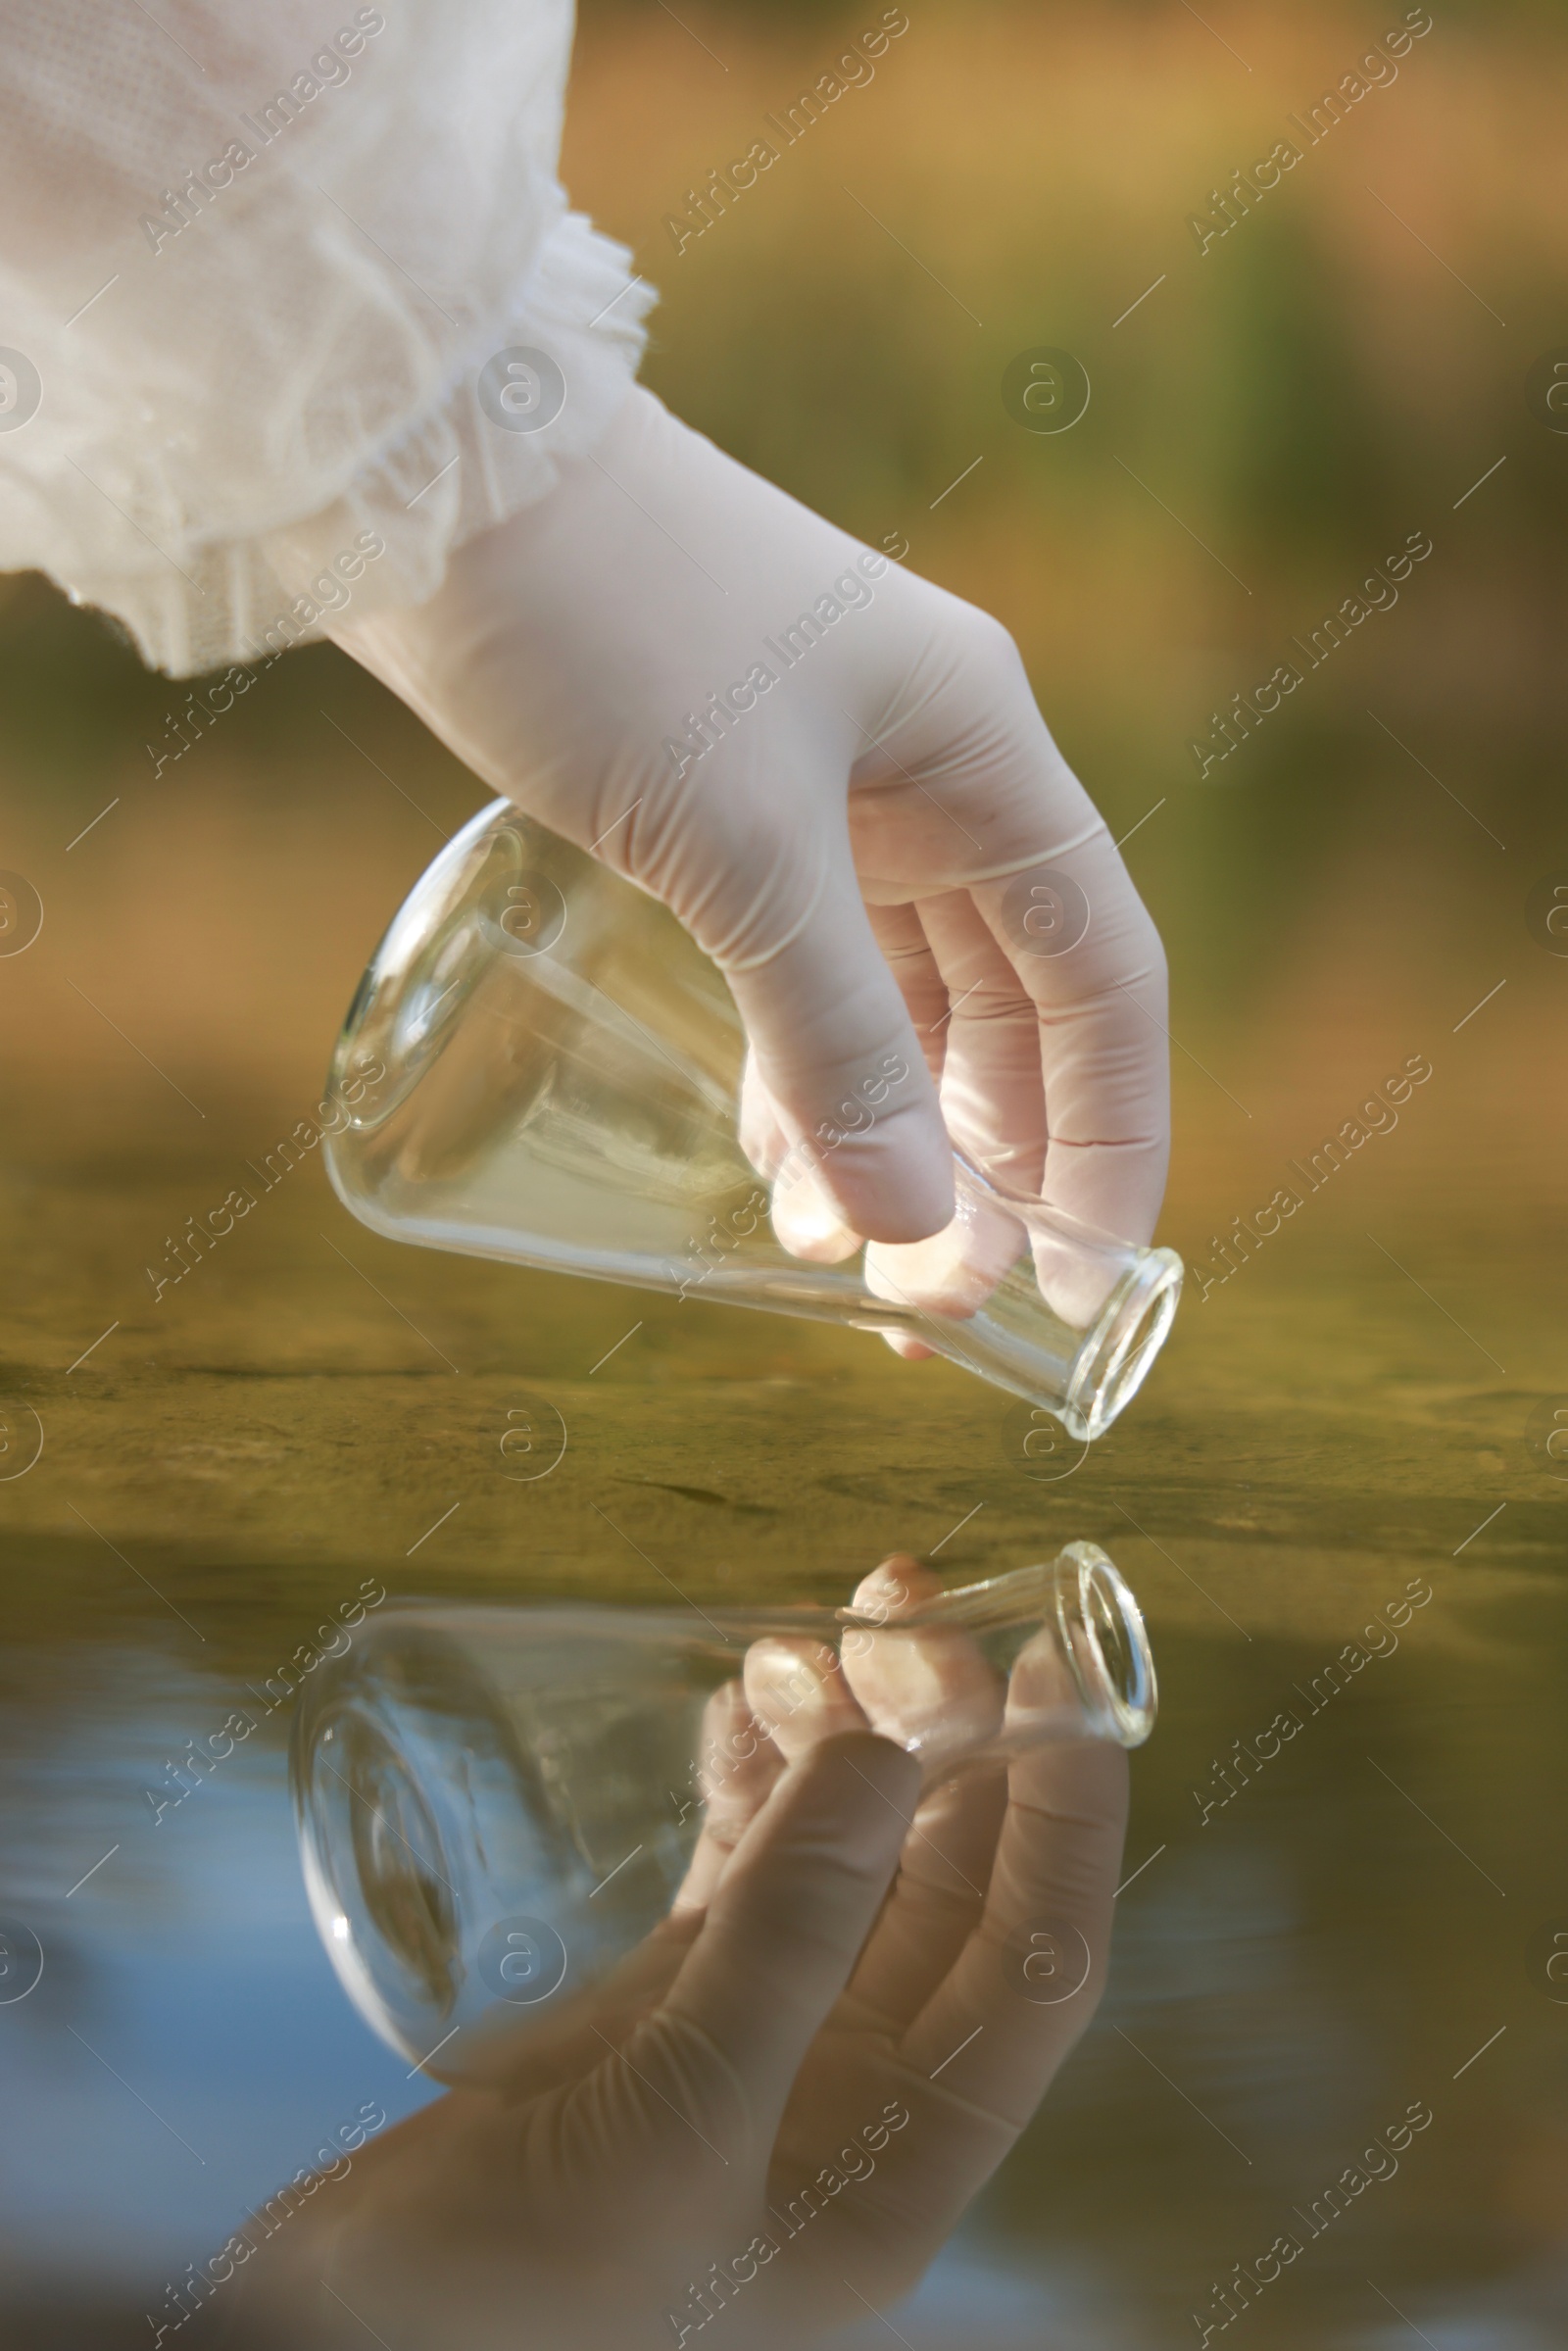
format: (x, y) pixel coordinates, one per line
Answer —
(255, 259)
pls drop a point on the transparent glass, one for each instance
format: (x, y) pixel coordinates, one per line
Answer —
(540, 1067)
(495, 1805)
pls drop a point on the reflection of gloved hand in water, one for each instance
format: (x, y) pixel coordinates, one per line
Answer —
(836, 776)
(776, 2110)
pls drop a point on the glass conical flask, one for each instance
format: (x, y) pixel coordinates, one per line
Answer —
(495, 1805)
(541, 1066)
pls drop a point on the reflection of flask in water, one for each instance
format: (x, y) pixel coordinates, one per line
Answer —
(559, 1069)
(496, 1804)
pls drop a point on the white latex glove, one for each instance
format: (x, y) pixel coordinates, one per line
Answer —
(855, 847)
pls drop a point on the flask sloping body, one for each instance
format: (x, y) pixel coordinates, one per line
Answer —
(540, 1067)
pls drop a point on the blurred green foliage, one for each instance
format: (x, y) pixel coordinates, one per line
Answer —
(1293, 401)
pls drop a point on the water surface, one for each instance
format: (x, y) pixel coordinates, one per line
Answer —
(1324, 1926)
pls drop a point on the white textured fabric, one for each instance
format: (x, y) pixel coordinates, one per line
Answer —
(254, 260)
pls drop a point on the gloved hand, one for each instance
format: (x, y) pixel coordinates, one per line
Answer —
(835, 774)
(774, 2112)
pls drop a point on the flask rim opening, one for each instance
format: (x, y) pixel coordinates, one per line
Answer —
(1095, 1612)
